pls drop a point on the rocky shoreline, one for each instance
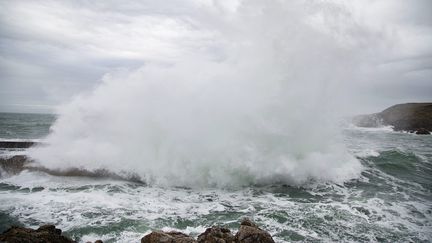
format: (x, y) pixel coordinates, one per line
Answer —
(409, 117)
(17, 163)
(248, 232)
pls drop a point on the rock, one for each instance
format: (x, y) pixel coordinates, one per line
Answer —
(167, 237)
(422, 131)
(13, 165)
(403, 117)
(18, 163)
(216, 234)
(251, 233)
(411, 116)
(45, 233)
(248, 222)
(16, 144)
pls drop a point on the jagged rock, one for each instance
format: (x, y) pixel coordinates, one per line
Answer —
(18, 163)
(403, 117)
(167, 237)
(248, 222)
(13, 165)
(251, 233)
(45, 234)
(16, 144)
(216, 235)
(422, 131)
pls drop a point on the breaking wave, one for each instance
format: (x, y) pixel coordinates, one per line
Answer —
(250, 111)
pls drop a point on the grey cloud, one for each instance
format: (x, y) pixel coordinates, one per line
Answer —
(52, 50)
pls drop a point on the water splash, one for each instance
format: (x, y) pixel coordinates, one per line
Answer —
(254, 105)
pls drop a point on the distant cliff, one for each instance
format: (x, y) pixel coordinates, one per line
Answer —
(411, 117)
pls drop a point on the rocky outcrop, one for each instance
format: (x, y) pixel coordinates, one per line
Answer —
(249, 232)
(18, 163)
(13, 165)
(216, 234)
(45, 233)
(422, 131)
(167, 237)
(16, 144)
(411, 117)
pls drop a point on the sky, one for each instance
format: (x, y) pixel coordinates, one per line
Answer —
(51, 51)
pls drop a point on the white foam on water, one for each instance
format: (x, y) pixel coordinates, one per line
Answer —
(73, 203)
(371, 129)
(367, 153)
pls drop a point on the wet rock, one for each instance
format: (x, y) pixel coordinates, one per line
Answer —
(45, 233)
(422, 131)
(249, 232)
(16, 144)
(216, 234)
(13, 165)
(167, 237)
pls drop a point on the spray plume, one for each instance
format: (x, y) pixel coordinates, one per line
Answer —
(255, 104)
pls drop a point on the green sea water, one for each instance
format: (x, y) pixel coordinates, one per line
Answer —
(391, 201)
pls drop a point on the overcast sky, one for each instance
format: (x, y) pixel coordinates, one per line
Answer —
(53, 50)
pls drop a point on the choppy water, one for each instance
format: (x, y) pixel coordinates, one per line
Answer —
(24, 126)
(390, 202)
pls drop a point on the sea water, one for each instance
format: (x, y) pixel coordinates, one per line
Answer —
(390, 200)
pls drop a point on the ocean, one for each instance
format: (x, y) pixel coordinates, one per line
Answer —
(389, 201)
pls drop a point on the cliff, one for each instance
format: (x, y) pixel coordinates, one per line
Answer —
(411, 117)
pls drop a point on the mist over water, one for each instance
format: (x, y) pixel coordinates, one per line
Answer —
(257, 103)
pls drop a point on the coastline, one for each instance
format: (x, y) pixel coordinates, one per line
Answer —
(248, 232)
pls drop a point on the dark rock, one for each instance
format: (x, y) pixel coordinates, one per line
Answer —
(45, 234)
(167, 237)
(411, 116)
(422, 131)
(18, 163)
(98, 241)
(403, 117)
(248, 222)
(249, 232)
(13, 165)
(216, 235)
(16, 144)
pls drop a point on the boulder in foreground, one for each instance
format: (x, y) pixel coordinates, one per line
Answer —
(167, 237)
(216, 234)
(45, 233)
(249, 232)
